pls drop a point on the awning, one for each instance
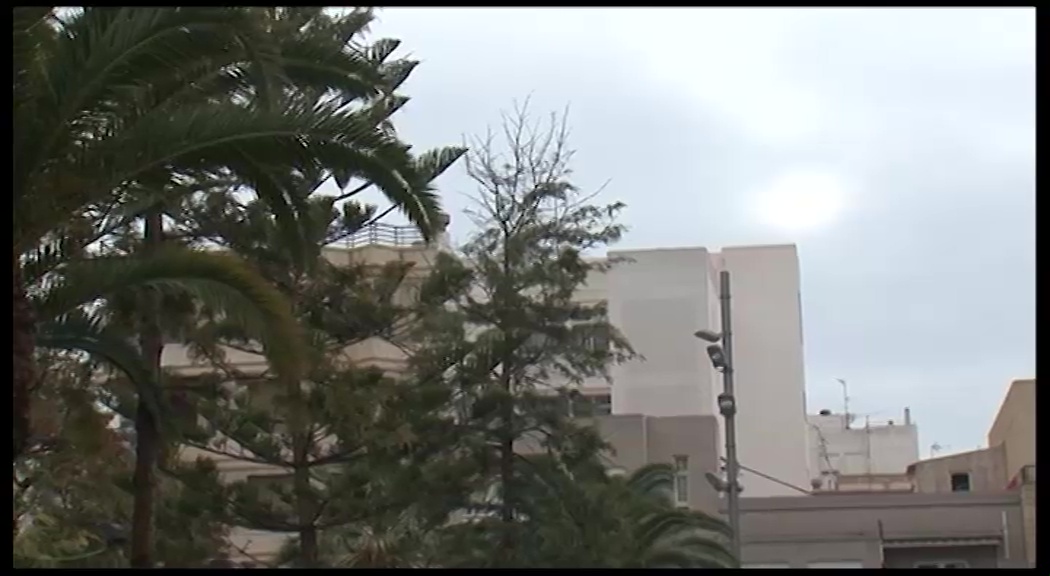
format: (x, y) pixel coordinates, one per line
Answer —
(942, 542)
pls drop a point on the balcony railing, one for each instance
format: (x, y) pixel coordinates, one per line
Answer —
(380, 234)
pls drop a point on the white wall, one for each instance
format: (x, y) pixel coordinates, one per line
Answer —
(877, 449)
(661, 297)
(658, 300)
(768, 357)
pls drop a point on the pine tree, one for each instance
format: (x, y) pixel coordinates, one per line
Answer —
(73, 493)
(518, 343)
(348, 443)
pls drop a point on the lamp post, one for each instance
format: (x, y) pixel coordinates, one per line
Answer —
(722, 359)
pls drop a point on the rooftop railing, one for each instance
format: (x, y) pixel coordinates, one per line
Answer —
(380, 234)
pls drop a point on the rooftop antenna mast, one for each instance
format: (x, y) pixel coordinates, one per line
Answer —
(845, 401)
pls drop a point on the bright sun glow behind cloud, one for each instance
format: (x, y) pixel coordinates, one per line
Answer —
(802, 201)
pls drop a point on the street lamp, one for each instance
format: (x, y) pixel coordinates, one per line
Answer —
(721, 354)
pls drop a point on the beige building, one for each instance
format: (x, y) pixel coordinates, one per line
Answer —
(690, 443)
(659, 298)
(1014, 427)
(969, 510)
(882, 530)
(662, 410)
(842, 450)
(1007, 465)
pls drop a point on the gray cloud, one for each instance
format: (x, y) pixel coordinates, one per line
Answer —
(923, 293)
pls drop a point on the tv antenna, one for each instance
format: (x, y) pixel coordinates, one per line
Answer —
(845, 401)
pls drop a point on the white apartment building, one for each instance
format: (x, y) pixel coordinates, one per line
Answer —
(842, 450)
(659, 298)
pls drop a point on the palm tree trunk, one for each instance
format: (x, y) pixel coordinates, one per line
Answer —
(148, 444)
(22, 347)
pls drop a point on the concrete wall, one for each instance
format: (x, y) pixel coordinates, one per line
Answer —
(859, 527)
(638, 440)
(770, 380)
(872, 483)
(1014, 426)
(987, 470)
(660, 297)
(862, 450)
(967, 556)
(1028, 508)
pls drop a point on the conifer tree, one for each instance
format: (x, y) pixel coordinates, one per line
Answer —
(518, 343)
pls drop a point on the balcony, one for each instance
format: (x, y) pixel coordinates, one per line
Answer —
(380, 234)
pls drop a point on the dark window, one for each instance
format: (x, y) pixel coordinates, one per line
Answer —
(593, 337)
(681, 480)
(586, 406)
(602, 405)
(681, 463)
(961, 482)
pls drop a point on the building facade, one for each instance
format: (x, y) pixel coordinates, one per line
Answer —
(660, 408)
(847, 456)
(879, 530)
(1014, 427)
(659, 298)
(1007, 465)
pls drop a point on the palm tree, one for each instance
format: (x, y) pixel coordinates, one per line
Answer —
(665, 536)
(115, 108)
(587, 518)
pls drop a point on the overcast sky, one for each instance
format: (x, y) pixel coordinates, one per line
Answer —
(895, 147)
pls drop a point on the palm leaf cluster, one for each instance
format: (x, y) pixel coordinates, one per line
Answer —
(119, 109)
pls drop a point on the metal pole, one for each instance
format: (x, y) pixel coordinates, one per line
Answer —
(732, 464)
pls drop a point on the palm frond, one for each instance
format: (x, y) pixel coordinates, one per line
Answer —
(79, 332)
(652, 481)
(220, 281)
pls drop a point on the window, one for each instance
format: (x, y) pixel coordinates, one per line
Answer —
(591, 405)
(961, 482)
(943, 564)
(602, 404)
(593, 337)
(681, 463)
(681, 481)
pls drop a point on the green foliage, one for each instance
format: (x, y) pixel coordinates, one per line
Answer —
(225, 122)
(517, 337)
(221, 92)
(510, 348)
(590, 519)
(72, 490)
(359, 443)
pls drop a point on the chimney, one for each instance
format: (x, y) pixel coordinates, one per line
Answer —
(907, 416)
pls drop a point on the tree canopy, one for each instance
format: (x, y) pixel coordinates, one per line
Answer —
(184, 178)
